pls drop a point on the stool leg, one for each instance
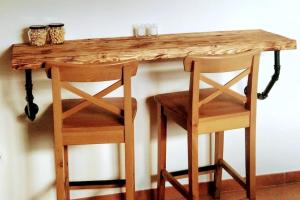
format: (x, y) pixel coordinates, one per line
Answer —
(193, 163)
(250, 162)
(161, 140)
(59, 168)
(66, 167)
(129, 164)
(219, 148)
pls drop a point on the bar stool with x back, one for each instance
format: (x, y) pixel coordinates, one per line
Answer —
(211, 110)
(92, 119)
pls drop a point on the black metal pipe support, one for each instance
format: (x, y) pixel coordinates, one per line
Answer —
(274, 78)
(31, 109)
(263, 95)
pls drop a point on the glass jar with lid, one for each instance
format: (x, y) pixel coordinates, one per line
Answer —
(56, 33)
(37, 35)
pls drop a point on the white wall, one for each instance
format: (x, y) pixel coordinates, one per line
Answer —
(26, 165)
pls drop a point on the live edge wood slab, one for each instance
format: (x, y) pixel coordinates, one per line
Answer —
(146, 49)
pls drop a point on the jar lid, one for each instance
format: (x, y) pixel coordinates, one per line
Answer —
(37, 27)
(56, 25)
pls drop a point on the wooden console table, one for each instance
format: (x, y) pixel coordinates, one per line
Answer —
(146, 49)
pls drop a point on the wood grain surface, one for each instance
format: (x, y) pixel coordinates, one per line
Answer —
(145, 49)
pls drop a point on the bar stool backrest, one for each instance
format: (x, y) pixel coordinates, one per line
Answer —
(247, 62)
(62, 74)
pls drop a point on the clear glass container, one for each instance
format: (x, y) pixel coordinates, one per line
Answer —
(151, 30)
(37, 35)
(56, 33)
(139, 30)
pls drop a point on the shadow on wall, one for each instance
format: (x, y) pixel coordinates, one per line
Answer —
(24, 35)
(42, 127)
(172, 75)
(42, 192)
(152, 106)
(153, 136)
(7, 78)
(40, 138)
(38, 135)
(41, 131)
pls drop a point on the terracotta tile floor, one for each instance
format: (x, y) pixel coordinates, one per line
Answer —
(284, 192)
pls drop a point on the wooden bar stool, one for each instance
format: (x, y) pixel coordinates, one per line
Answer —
(210, 110)
(92, 119)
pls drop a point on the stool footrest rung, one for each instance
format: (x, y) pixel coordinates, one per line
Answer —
(235, 175)
(183, 173)
(167, 176)
(173, 176)
(98, 184)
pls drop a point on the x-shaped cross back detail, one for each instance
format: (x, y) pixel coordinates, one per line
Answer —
(224, 88)
(89, 99)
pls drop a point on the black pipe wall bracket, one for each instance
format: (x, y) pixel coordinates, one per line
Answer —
(263, 95)
(31, 109)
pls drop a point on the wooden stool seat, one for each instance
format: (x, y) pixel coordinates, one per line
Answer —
(178, 103)
(211, 115)
(94, 124)
(95, 116)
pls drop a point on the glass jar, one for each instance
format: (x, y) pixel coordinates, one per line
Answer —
(151, 30)
(56, 33)
(37, 35)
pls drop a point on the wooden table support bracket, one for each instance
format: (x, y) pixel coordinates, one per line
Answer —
(31, 109)
(263, 95)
